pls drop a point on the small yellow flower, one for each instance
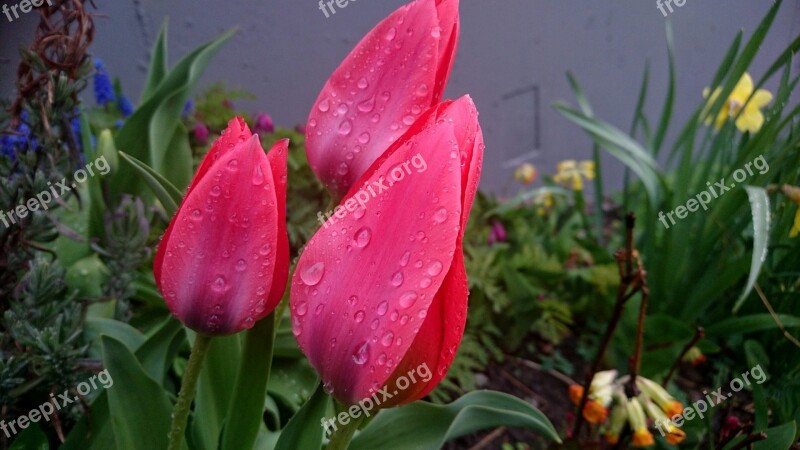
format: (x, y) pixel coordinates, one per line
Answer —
(671, 433)
(570, 172)
(751, 118)
(793, 194)
(660, 396)
(638, 422)
(694, 356)
(526, 173)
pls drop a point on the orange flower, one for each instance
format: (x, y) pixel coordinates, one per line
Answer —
(672, 408)
(594, 412)
(642, 438)
(675, 436)
(575, 394)
(612, 439)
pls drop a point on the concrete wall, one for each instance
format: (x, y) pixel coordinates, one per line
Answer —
(512, 58)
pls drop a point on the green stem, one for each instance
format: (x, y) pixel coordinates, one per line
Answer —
(341, 437)
(188, 387)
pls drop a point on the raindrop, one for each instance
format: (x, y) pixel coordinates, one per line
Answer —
(440, 216)
(313, 274)
(352, 300)
(397, 279)
(363, 237)
(258, 176)
(364, 138)
(345, 127)
(301, 309)
(435, 268)
(425, 283)
(408, 299)
(387, 339)
(342, 109)
(361, 353)
(359, 316)
(436, 32)
(319, 309)
(219, 285)
(343, 168)
(404, 259)
(363, 83)
(265, 249)
(382, 308)
(241, 265)
(367, 105)
(324, 105)
(233, 164)
(327, 387)
(408, 120)
(390, 34)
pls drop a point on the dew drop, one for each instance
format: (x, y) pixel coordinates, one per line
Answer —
(364, 138)
(313, 274)
(258, 176)
(324, 105)
(363, 237)
(361, 353)
(343, 168)
(219, 285)
(390, 34)
(359, 316)
(435, 268)
(241, 265)
(363, 83)
(404, 259)
(397, 279)
(342, 109)
(301, 309)
(425, 283)
(408, 299)
(352, 300)
(382, 308)
(345, 127)
(387, 339)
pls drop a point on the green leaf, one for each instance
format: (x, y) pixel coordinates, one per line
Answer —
(121, 332)
(756, 357)
(169, 196)
(778, 438)
(158, 64)
(621, 146)
(251, 387)
(423, 425)
(139, 407)
(759, 205)
(750, 324)
(31, 439)
(177, 163)
(215, 390)
(304, 429)
(669, 102)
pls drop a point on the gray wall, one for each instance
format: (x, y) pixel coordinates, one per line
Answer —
(286, 49)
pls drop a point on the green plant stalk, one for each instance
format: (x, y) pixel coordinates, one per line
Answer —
(180, 413)
(341, 438)
(249, 407)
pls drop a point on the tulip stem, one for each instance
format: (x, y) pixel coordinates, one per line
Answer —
(341, 438)
(180, 413)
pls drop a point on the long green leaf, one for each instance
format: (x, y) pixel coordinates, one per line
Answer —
(423, 425)
(169, 196)
(304, 430)
(158, 65)
(139, 407)
(247, 404)
(751, 324)
(759, 205)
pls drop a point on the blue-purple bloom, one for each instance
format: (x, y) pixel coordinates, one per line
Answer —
(125, 106)
(103, 88)
(19, 140)
(187, 108)
(264, 124)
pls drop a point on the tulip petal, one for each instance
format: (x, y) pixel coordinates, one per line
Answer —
(217, 264)
(396, 72)
(277, 161)
(368, 280)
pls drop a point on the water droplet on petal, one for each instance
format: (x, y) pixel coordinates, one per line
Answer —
(301, 309)
(435, 268)
(258, 176)
(390, 34)
(313, 274)
(219, 285)
(324, 105)
(425, 283)
(241, 265)
(382, 308)
(397, 279)
(345, 127)
(404, 259)
(387, 339)
(440, 216)
(363, 237)
(436, 32)
(327, 387)
(363, 83)
(359, 316)
(408, 299)
(364, 138)
(361, 353)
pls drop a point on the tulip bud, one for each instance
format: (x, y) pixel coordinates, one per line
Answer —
(201, 133)
(264, 124)
(398, 71)
(223, 261)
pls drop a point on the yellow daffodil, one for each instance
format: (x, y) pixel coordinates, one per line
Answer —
(751, 118)
(571, 173)
(526, 173)
(793, 194)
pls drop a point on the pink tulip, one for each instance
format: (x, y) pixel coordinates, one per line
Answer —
(223, 262)
(396, 72)
(383, 289)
